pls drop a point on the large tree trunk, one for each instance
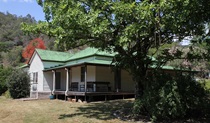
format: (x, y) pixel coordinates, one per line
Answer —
(139, 76)
(139, 89)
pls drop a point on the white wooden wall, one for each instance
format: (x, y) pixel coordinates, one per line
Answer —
(37, 66)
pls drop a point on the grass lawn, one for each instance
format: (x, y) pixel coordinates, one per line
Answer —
(57, 111)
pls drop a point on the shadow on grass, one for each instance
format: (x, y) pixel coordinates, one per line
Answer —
(105, 110)
(100, 110)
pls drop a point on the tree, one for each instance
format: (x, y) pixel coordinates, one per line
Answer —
(130, 28)
(18, 84)
(29, 50)
(127, 27)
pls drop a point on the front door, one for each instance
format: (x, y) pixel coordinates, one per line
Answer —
(58, 80)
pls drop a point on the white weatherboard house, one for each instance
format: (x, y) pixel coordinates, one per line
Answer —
(86, 73)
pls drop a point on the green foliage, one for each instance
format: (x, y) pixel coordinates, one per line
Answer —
(207, 84)
(6, 46)
(166, 97)
(10, 28)
(18, 84)
(4, 73)
(12, 38)
(120, 23)
(7, 94)
(13, 57)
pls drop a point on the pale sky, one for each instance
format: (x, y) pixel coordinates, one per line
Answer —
(22, 8)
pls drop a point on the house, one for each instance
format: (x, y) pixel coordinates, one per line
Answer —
(86, 73)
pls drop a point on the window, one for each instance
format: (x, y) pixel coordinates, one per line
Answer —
(82, 74)
(35, 77)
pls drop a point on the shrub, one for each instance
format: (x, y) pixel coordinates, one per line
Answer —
(18, 84)
(4, 73)
(166, 97)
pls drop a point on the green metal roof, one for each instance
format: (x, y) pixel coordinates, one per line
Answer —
(64, 56)
(89, 52)
(53, 55)
(88, 55)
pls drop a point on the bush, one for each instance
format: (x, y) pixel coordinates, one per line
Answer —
(4, 73)
(18, 84)
(166, 97)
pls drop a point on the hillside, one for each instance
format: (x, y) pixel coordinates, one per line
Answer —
(13, 40)
(10, 32)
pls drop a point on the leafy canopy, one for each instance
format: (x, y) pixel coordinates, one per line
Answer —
(124, 25)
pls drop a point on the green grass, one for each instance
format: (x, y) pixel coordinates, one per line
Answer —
(57, 111)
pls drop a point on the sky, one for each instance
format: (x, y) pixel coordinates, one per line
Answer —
(22, 8)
